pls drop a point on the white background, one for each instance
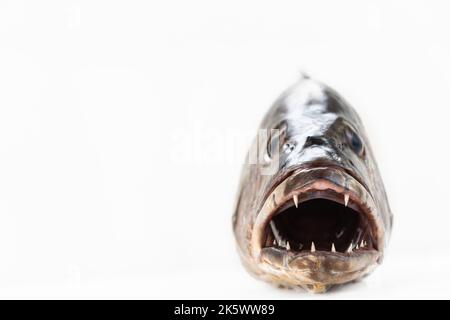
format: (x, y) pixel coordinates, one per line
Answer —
(123, 126)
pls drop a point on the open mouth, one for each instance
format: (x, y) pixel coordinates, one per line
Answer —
(320, 211)
(320, 221)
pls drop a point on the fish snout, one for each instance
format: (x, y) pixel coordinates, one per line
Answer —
(315, 141)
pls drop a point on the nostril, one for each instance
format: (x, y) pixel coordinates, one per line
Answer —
(314, 140)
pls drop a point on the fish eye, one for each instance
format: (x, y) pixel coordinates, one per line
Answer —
(355, 142)
(273, 144)
(275, 141)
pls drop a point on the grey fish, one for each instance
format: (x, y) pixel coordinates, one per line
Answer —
(312, 210)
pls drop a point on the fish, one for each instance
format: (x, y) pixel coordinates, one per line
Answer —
(311, 209)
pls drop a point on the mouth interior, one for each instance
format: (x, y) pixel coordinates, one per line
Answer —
(320, 225)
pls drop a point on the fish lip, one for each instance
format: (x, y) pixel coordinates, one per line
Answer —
(317, 267)
(317, 178)
(320, 163)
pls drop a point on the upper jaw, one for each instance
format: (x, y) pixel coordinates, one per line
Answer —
(304, 183)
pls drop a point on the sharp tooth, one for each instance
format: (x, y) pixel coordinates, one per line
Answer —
(313, 247)
(276, 233)
(295, 200)
(346, 197)
(357, 246)
(362, 244)
(350, 248)
(288, 247)
(333, 249)
(274, 242)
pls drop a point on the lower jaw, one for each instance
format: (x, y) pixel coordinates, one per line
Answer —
(315, 270)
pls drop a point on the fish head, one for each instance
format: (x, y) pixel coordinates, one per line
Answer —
(313, 212)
